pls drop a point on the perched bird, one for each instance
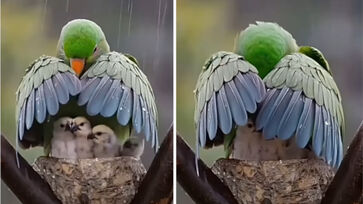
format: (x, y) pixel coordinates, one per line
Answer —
(113, 86)
(280, 117)
(303, 104)
(134, 147)
(84, 79)
(63, 144)
(106, 143)
(81, 128)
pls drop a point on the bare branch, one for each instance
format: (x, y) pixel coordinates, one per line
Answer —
(205, 188)
(157, 186)
(346, 186)
(27, 185)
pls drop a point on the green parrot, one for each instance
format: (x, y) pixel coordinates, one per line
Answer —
(85, 79)
(234, 106)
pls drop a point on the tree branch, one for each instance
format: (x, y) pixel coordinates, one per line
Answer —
(157, 186)
(205, 188)
(26, 184)
(346, 186)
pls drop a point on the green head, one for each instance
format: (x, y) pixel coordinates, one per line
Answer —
(264, 44)
(81, 42)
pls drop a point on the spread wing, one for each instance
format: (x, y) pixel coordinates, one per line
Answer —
(227, 90)
(47, 84)
(115, 86)
(303, 101)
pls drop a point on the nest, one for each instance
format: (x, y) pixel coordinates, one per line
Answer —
(287, 181)
(106, 180)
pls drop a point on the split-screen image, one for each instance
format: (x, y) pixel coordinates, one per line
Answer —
(181, 101)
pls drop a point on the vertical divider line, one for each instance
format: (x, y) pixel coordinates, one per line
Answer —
(174, 102)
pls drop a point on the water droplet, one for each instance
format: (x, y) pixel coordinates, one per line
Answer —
(327, 123)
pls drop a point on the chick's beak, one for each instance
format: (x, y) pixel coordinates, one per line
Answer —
(68, 127)
(77, 65)
(91, 136)
(74, 128)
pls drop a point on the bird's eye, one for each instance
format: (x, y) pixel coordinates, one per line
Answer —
(62, 126)
(81, 124)
(94, 50)
(98, 133)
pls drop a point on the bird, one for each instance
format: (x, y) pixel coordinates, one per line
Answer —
(106, 143)
(134, 147)
(84, 79)
(63, 144)
(81, 128)
(268, 99)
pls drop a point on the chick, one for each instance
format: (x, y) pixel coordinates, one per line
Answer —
(134, 147)
(105, 142)
(63, 144)
(81, 128)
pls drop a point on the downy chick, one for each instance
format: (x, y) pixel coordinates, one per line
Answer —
(105, 142)
(63, 144)
(134, 147)
(82, 129)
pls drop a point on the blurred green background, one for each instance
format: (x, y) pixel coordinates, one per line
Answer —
(30, 28)
(207, 26)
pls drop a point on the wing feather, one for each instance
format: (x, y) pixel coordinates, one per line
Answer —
(112, 99)
(47, 84)
(124, 92)
(314, 113)
(40, 107)
(227, 90)
(29, 116)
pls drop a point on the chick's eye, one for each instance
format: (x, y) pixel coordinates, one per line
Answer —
(62, 126)
(98, 134)
(81, 124)
(94, 50)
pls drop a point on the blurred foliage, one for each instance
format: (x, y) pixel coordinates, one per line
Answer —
(30, 28)
(207, 26)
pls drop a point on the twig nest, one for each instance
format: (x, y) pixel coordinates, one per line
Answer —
(286, 181)
(106, 180)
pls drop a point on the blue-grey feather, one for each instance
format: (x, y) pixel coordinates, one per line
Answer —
(328, 137)
(112, 99)
(278, 110)
(325, 138)
(246, 92)
(212, 117)
(124, 111)
(224, 113)
(156, 140)
(153, 132)
(40, 107)
(51, 98)
(291, 117)
(73, 83)
(60, 88)
(264, 114)
(145, 119)
(257, 87)
(29, 116)
(239, 113)
(340, 149)
(203, 126)
(306, 123)
(98, 98)
(137, 114)
(334, 142)
(147, 127)
(318, 135)
(21, 122)
(88, 90)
